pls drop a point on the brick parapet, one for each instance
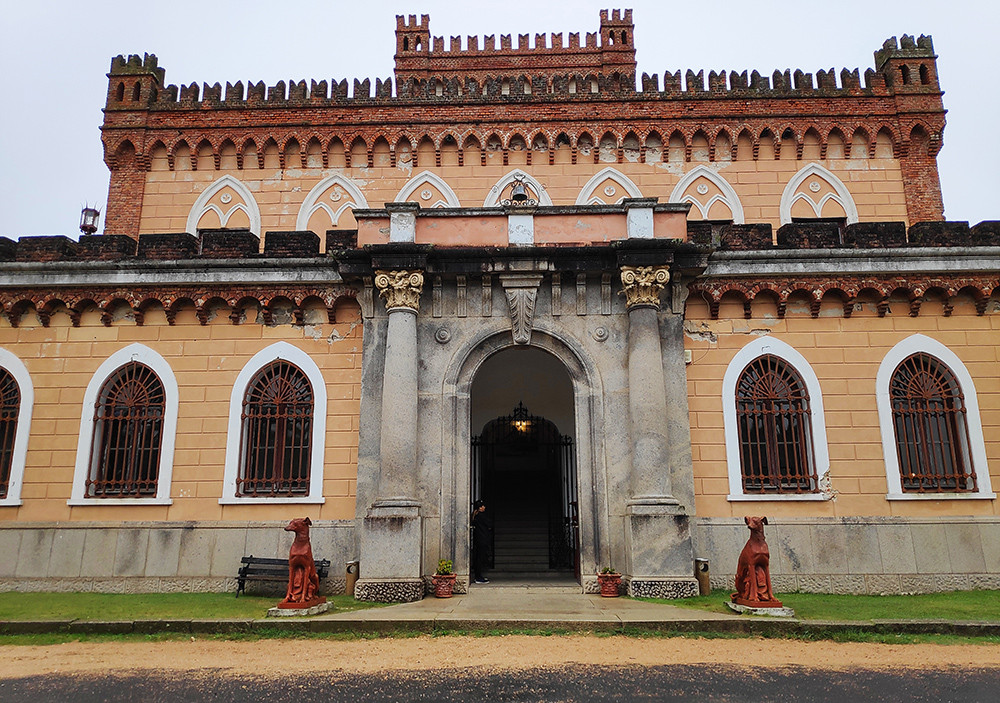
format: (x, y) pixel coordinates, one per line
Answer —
(243, 244)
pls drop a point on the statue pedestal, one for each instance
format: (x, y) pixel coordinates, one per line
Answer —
(391, 553)
(780, 612)
(289, 612)
(661, 557)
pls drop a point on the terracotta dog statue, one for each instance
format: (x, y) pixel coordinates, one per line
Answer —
(753, 573)
(303, 582)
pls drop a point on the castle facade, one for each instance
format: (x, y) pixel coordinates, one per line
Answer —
(624, 310)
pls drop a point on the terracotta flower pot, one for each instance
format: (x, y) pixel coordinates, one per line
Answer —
(610, 584)
(444, 584)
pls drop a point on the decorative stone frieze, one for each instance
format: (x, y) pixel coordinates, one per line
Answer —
(400, 289)
(643, 284)
(846, 289)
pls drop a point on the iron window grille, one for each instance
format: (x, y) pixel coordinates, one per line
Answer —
(128, 433)
(277, 422)
(931, 427)
(10, 406)
(775, 429)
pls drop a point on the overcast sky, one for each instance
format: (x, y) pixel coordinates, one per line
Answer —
(54, 57)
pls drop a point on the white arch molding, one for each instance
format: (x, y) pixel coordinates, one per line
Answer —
(432, 179)
(588, 410)
(85, 449)
(916, 344)
(201, 205)
(279, 351)
(312, 203)
(841, 195)
(26, 390)
(729, 196)
(821, 452)
(496, 192)
(631, 189)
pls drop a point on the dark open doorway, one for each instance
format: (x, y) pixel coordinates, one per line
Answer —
(525, 472)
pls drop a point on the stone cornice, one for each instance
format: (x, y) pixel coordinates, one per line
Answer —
(784, 262)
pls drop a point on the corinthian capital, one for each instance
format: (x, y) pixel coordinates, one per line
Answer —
(643, 285)
(401, 289)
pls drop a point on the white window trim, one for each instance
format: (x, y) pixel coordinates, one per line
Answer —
(282, 351)
(630, 188)
(312, 203)
(841, 195)
(821, 452)
(431, 179)
(914, 344)
(19, 371)
(85, 449)
(201, 205)
(729, 196)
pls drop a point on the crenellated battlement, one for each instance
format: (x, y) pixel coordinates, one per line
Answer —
(906, 67)
(421, 55)
(520, 87)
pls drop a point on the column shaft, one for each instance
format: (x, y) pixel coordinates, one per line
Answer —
(399, 407)
(647, 409)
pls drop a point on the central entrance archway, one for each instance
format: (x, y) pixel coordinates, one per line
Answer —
(523, 464)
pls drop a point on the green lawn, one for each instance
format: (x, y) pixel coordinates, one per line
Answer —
(954, 605)
(145, 606)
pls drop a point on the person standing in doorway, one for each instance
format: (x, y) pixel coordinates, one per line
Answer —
(480, 542)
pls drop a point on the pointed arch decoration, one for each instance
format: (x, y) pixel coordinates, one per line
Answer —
(496, 192)
(426, 178)
(797, 187)
(687, 192)
(225, 210)
(587, 195)
(313, 201)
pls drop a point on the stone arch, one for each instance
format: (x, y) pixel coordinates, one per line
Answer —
(496, 192)
(588, 196)
(589, 422)
(204, 204)
(837, 192)
(312, 204)
(447, 199)
(726, 195)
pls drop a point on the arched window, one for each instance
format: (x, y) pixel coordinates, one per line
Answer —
(275, 446)
(277, 427)
(128, 434)
(930, 427)
(775, 428)
(10, 407)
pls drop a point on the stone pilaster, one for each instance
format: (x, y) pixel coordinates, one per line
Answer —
(658, 539)
(391, 538)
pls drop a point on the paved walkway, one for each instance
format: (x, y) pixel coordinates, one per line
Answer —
(529, 605)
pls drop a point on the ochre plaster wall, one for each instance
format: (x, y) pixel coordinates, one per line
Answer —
(875, 185)
(845, 355)
(206, 360)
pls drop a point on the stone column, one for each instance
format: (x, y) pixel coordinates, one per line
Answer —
(661, 560)
(391, 537)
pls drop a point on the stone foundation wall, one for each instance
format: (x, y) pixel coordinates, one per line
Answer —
(861, 555)
(166, 557)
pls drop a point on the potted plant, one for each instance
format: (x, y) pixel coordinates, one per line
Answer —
(444, 579)
(610, 581)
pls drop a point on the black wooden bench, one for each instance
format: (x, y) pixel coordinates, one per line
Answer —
(263, 569)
